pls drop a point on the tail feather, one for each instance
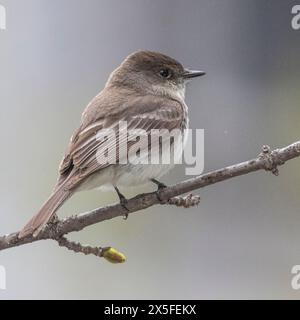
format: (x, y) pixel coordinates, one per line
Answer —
(37, 222)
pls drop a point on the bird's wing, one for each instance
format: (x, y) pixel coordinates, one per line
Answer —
(143, 112)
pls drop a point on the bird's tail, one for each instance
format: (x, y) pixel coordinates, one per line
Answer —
(37, 222)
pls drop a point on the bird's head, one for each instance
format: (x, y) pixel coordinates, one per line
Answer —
(153, 72)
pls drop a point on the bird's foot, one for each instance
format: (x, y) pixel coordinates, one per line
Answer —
(123, 203)
(160, 186)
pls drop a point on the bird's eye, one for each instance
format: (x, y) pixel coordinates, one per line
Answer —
(165, 73)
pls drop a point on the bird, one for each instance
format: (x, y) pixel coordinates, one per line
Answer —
(147, 91)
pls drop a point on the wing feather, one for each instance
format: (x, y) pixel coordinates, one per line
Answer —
(145, 113)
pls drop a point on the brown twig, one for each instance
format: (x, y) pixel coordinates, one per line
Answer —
(185, 202)
(79, 248)
(267, 160)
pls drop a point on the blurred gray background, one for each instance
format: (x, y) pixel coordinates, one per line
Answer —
(243, 239)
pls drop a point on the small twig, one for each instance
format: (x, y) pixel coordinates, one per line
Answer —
(79, 248)
(185, 202)
(267, 160)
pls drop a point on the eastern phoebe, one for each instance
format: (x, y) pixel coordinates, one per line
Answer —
(147, 91)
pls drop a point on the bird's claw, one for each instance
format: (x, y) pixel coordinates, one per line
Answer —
(160, 186)
(123, 203)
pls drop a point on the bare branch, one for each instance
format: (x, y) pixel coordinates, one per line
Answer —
(79, 248)
(185, 202)
(110, 254)
(267, 160)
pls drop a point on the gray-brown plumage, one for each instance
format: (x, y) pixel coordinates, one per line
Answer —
(146, 91)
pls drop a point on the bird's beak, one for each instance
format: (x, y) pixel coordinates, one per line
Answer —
(188, 74)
